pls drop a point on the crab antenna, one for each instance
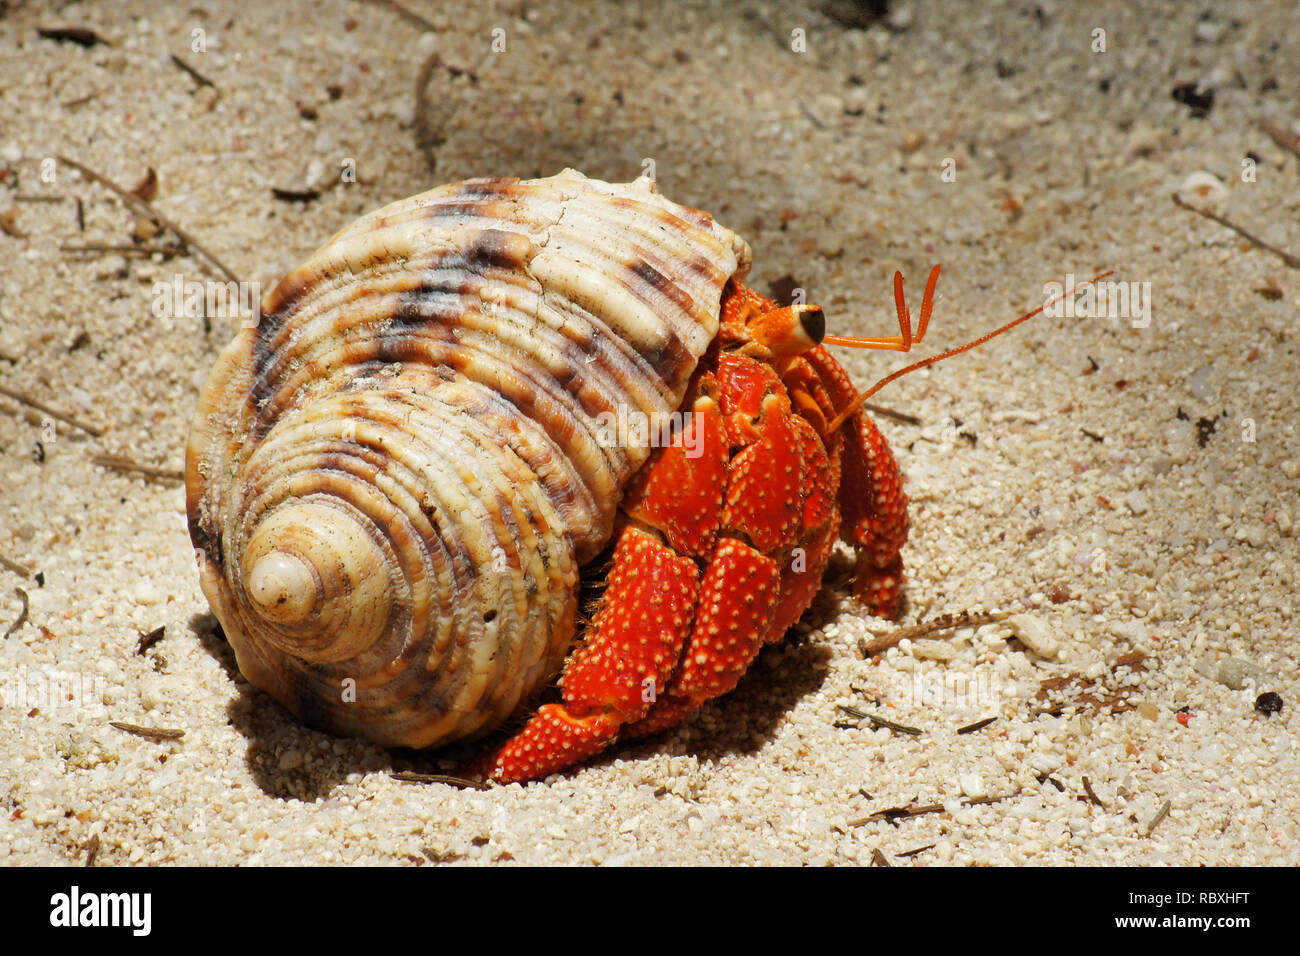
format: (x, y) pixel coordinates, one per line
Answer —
(927, 300)
(895, 343)
(858, 402)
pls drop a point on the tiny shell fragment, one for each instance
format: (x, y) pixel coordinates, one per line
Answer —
(1034, 634)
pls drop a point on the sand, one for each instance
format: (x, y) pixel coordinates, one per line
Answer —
(1124, 483)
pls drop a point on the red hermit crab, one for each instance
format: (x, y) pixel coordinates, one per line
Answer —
(397, 475)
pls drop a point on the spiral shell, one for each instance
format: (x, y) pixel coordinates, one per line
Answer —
(394, 477)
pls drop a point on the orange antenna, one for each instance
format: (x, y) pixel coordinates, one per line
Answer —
(896, 343)
(904, 321)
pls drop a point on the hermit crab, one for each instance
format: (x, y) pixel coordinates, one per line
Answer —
(469, 402)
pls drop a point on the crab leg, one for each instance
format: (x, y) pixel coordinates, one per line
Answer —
(872, 501)
(737, 598)
(630, 650)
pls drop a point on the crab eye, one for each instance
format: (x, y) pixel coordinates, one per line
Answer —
(813, 320)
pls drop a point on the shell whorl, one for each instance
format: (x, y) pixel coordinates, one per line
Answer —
(394, 477)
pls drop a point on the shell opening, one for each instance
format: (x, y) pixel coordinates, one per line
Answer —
(315, 576)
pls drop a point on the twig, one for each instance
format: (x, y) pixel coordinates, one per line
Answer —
(812, 117)
(978, 725)
(82, 36)
(22, 615)
(880, 721)
(157, 734)
(913, 810)
(1048, 778)
(1280, 136)
(14, 566)
(121, 463)
(149, 640)
(147, 188)
(943, 622)
(879, 859)
(61, 416)
(890, 413)
(1155, 821)
(199, 77)
(404, 13)
(145, 209)
(92, 850)
(411, 776)
(897, 728)
(1288, 258)
(295, 195)
(127, 249)
(1087, 788)
(919, 849)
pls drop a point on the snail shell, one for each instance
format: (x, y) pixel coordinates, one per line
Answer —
(394, 477)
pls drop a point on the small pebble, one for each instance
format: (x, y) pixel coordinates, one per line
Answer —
(1161, 465)
(943, 850)
(1269, 703)
(932, 650)
(1135, 632)
(1290, 467)
(291, 760)
(1137, 502)
(912, 141)
(1034, 634)
(1198, 383)
(1210, 31)
(146, 593)
(1203, 186)
(1209, 755)
(972, 785)
(1253, 534)
(901, 17)
(1237, 672)
(1149, 710)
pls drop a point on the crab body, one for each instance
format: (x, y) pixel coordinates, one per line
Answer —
(724, 538)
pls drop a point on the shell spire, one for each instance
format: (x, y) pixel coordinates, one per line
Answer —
(394, 477)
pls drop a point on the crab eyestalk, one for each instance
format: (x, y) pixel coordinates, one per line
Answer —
(309, 572)
(792, 330)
